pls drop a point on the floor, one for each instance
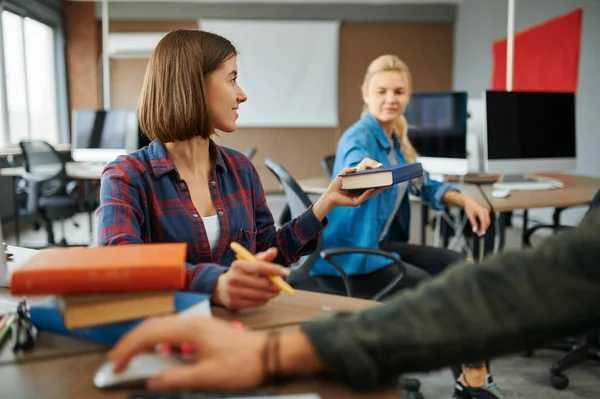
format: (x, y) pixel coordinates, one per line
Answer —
(518, 377)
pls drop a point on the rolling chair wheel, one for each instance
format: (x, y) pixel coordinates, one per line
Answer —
(559, 381)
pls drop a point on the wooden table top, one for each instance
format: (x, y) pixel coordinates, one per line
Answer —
(577, 191)
(63, 367)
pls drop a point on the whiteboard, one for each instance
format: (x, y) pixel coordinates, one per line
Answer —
(288, 69)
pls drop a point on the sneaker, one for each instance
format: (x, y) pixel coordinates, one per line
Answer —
(489, 390)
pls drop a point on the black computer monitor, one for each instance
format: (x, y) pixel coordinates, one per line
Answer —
(529, 132)
(438, 130)
(102, 135)
(143, 141)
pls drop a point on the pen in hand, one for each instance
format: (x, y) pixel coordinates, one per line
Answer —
(243, 254)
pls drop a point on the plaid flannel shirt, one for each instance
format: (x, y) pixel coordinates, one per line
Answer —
(144, 200)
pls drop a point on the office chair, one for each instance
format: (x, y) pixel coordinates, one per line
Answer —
(250, 152)
(327, 165)
(20, 190)
(50, 195)
(300, 278)
(579, 349)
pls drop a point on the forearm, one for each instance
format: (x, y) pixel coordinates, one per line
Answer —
(322, 207)
(298, 355)
(454, 198)
(470, 312)
(294, 239)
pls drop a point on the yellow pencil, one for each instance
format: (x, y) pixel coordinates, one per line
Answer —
(243, 254)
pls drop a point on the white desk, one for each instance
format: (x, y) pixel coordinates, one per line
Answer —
(75, 170)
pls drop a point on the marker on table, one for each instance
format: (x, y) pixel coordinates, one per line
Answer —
(243, 254)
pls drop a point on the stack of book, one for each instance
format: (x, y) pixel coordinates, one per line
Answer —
(99, 293)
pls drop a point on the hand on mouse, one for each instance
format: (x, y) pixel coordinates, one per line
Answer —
(227, 357)
(223, 357)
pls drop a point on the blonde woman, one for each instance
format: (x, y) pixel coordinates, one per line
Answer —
(384, 221)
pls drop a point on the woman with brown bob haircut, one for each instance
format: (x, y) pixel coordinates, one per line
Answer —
(185, 188)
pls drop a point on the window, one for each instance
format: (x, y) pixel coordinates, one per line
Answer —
(41, 81)
(31, 106)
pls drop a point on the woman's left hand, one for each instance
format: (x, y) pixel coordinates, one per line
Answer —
(475, 213)
(335, 196)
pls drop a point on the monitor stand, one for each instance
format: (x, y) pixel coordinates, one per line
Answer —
(523, 182)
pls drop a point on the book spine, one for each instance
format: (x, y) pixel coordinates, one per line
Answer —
(96, 281)
(408, 172)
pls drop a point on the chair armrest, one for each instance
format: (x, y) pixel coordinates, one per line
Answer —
(328, 254)
(34, 185)
(71, 186)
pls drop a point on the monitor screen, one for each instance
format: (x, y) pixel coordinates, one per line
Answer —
(101, 129)
(530, 125)
(102, 135)
(438, 124)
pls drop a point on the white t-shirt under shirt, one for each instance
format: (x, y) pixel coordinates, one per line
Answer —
(213, 230)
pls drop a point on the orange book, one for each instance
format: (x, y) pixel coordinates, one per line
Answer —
(121, 268)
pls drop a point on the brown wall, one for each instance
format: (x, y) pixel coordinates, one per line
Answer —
(427, 48)
(82, 54)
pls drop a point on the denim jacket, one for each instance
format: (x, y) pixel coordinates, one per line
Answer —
(363, 226)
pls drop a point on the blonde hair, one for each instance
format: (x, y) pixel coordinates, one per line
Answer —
(390, 62)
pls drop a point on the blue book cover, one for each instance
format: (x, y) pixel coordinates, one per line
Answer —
(46, 316)
(381, 177)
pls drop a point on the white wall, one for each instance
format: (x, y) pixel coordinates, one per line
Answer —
(480, 22)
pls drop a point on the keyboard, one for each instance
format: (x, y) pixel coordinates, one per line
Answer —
(529, 184)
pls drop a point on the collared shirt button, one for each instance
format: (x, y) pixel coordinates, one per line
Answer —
(182, 185)
(195, 215)
(220, 213)
(213, 182)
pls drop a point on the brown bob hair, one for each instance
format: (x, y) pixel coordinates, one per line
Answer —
(172, 105)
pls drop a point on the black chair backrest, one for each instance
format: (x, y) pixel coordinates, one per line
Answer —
(327, 165)
(250, 152)
(296, 198)
(297, 201)
(43, 160)
(596, 200)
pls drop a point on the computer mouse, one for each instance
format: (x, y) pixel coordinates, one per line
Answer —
(497, 193)
(141, 367)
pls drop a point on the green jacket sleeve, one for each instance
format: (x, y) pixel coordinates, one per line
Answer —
(471, 311)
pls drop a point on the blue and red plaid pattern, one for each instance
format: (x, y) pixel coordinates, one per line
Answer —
(143, 200)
